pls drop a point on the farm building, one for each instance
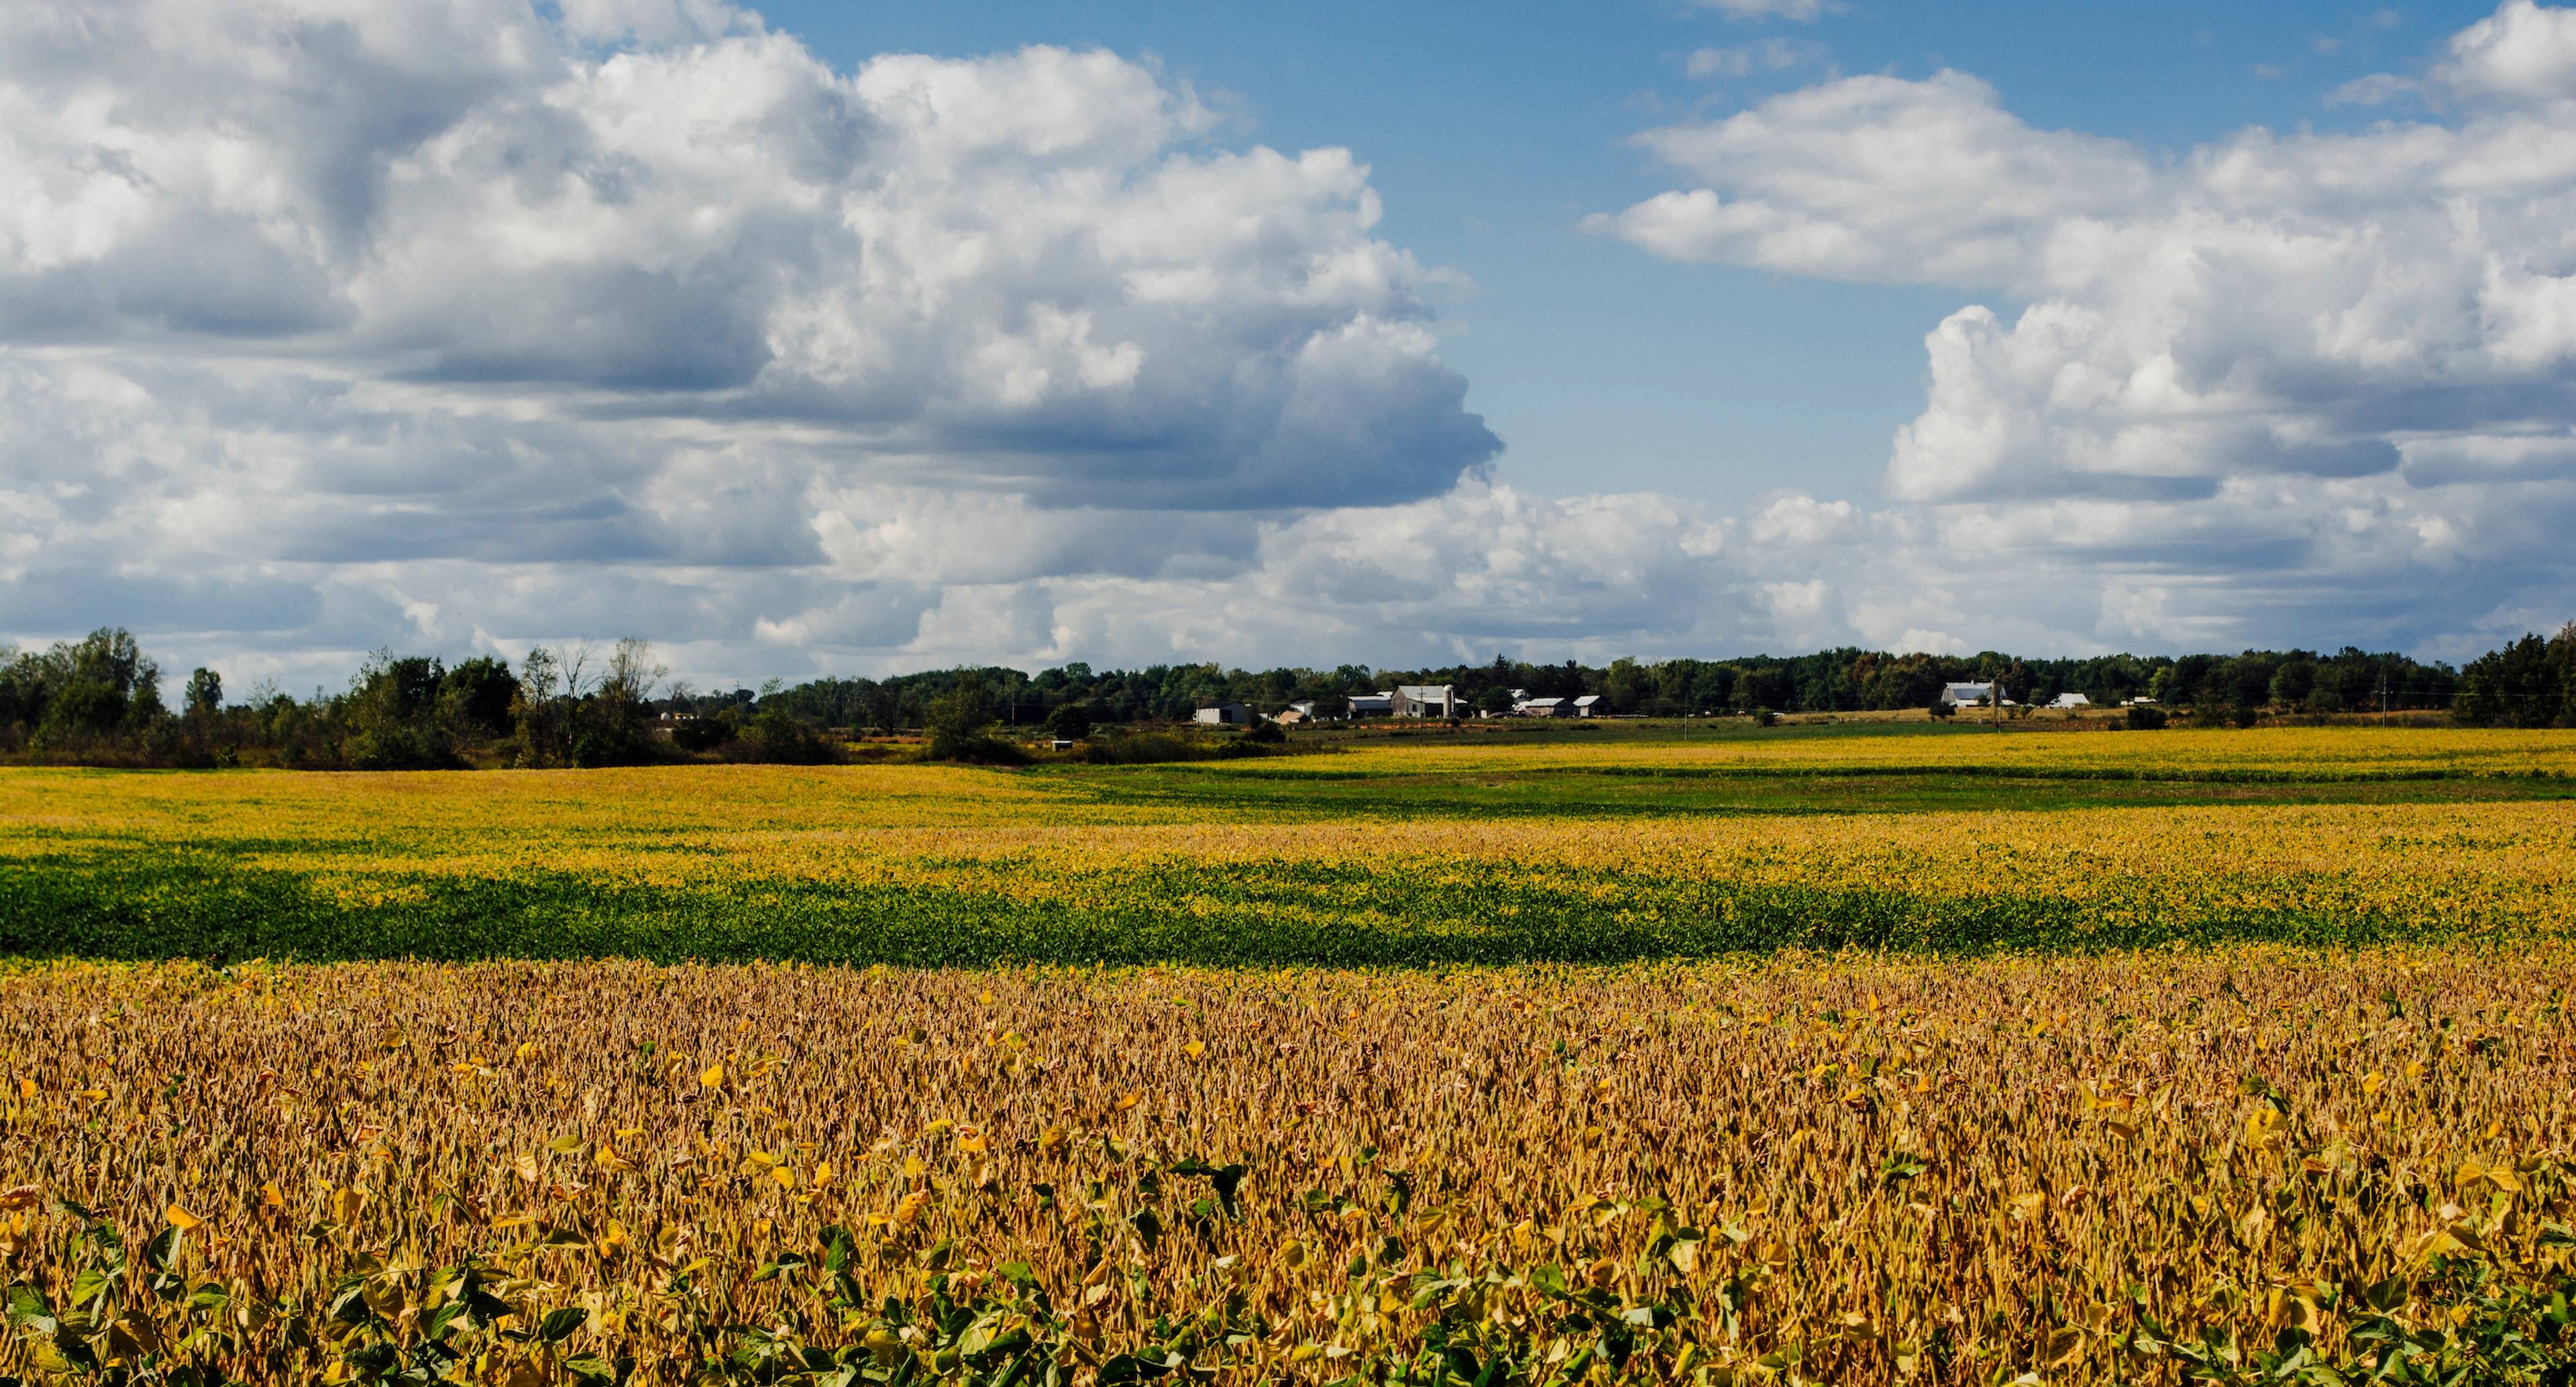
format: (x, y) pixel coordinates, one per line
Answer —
(1591, 706)
(1226, 715)
(2070, 700)
(1375, 705)
(1543, 708)
(1426, 701)
(1963, 694)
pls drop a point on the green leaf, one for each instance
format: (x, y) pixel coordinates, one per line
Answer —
(558, 1325)
(88, 1286)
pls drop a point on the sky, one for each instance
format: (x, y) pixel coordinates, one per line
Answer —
(812, 338)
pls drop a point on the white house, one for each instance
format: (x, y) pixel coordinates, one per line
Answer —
(1591, 706)
(1225, 715)
(2070, 700)
(1376, 705)
(1964, 694)
(1426, 701)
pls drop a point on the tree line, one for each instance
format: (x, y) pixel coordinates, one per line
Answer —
(101, 699)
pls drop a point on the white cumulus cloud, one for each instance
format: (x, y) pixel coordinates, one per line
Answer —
(635, 315)
(2306, 383)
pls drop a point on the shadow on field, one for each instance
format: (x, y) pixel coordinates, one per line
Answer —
(207, 905)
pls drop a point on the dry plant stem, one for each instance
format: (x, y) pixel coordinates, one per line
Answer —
(1940, 1170)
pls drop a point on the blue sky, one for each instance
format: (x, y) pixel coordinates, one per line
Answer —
(806, 338)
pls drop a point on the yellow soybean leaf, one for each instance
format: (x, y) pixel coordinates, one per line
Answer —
(2372, 1082)
(785, 1176)
(1194, 1049)
(1130, 1101)
(181, 1219)
(269, 1196)
(712, 1076)
(346, 1202)
(26, 1088)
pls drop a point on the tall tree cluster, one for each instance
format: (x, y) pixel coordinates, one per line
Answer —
(100, 699)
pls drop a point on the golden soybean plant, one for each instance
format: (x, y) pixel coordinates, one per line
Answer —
(1828, 1170)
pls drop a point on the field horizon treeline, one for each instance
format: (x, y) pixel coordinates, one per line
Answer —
(100, 700)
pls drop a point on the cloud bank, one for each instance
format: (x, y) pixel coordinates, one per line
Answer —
(464, 325)
(640, 317)
(2278, 384)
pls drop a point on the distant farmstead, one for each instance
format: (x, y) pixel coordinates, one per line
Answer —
(1424, 701)
(1376, 705)
(1226, 715)
(1591, 706)
(2070, 700)
(1964, 694)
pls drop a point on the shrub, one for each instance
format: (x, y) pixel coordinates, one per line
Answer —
(779, 737)
(1072, 722)
(2146, 719)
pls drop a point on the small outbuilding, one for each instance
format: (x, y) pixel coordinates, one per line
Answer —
(1226, 715)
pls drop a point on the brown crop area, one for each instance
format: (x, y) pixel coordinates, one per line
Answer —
(2112, 1169)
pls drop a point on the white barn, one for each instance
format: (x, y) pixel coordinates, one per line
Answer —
(1425, 701)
